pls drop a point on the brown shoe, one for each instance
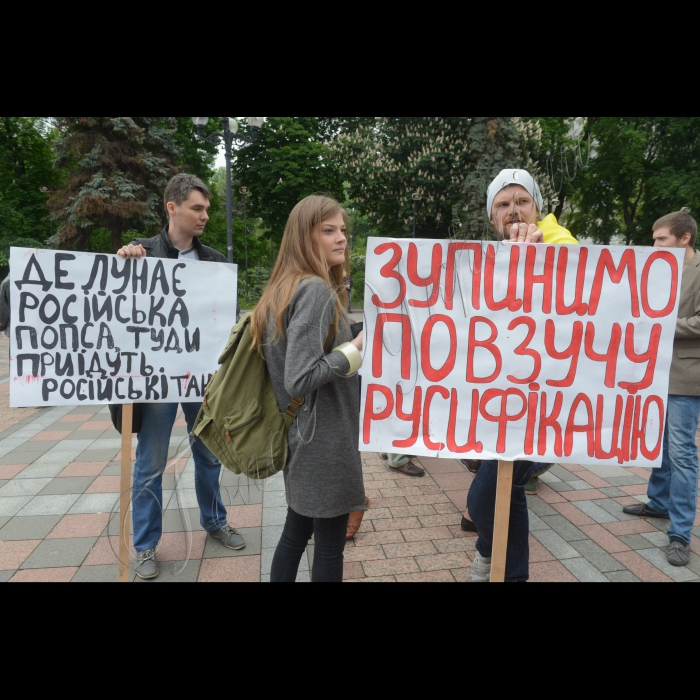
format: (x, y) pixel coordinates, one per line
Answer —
(355, 522)
(472, 465)
(410, 469)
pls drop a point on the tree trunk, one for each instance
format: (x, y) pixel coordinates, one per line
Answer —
(559, 210)
(116, 229)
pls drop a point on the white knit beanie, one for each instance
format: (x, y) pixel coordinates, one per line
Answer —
(514, 177)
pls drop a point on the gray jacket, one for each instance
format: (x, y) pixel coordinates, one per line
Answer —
(323, 476)
(5, 309)
(685, 370)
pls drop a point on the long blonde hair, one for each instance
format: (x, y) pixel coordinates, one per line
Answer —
(300, 257)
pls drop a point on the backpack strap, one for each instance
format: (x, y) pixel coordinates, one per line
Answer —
(205, 401)
(296, 404)
(294, 408)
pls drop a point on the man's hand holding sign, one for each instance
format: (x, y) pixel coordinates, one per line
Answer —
(524, 233)
(132, 252)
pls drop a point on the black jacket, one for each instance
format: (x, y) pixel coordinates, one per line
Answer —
(162, 247)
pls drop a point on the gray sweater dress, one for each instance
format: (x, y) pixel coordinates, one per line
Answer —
(323, 475)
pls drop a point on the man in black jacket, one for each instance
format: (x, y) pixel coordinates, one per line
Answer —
(187, 201)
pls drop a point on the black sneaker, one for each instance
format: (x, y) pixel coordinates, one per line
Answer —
(643, 511)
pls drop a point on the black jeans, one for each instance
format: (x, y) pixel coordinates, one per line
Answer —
(482, 511)
(329, 540)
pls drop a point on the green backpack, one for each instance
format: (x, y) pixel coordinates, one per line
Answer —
(240, 421)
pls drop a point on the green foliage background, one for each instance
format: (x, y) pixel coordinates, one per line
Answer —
(26, 167)
(606, 178)
(289, 161)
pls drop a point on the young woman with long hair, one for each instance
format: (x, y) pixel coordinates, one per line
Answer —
(301, 327)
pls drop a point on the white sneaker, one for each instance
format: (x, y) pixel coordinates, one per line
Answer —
(481, 570)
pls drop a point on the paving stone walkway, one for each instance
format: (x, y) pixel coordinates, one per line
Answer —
(59, 491)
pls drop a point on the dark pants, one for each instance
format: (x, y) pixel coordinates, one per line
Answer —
(482, 511)
(329, 546)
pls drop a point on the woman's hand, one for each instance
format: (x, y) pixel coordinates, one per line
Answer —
(359, 342)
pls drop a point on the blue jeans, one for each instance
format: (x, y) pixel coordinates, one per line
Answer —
(151, 462)
(482, 511)
(673, 489)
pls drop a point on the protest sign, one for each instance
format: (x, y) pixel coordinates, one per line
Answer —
(97, 329)
(518, 352)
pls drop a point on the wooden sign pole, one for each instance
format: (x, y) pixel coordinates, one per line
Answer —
(504, 495)
(124, 506)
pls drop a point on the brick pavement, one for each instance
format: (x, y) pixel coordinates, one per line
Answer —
(59, 489)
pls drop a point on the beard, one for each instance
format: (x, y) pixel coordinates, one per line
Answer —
(502, 229)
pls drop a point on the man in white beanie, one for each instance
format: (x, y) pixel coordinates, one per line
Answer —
(514, 207)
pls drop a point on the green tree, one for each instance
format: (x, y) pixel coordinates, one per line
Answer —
(557, 150)
(387, 160)
(553, 149)
(618, 182)
(641, 169)
(197, 156)
(26, 168)
(288, 162)
(675, 182)
(331, 127)
(494, 145)
(216, 233)
(116, 171)
(450, 161)
(15, 231)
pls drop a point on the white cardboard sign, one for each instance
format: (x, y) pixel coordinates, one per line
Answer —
(518, 352)
(97, 329)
